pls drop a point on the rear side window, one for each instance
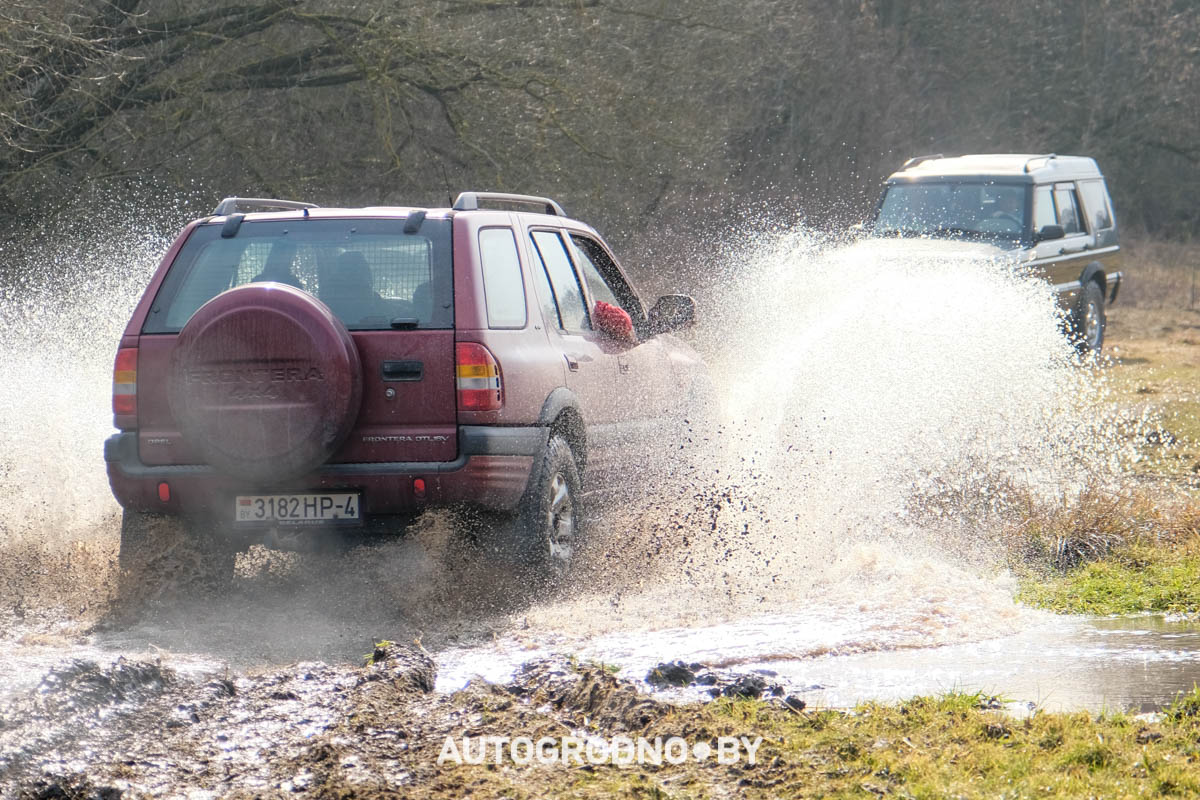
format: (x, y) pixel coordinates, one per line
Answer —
(1095, 203)
(565, 283)
(1068, 209)
(502, 284)
(369, 272)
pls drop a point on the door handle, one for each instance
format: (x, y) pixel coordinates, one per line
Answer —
(622, 366)
(574, 359)
(402, 370)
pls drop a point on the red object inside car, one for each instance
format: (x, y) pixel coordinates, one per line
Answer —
(614, 321)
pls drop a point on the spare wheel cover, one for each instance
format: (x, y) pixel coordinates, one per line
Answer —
(265, 381)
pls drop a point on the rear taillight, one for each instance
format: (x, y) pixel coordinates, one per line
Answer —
(478, 378)
(124, 398)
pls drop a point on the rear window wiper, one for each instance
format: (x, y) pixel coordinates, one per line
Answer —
(405, 323)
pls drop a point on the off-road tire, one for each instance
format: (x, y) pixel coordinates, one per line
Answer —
(1088, 320)
(543, 537)
(166, 551)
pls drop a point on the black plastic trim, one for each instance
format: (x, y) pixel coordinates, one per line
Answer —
(493, 440)
(559, 401)
(232, 225)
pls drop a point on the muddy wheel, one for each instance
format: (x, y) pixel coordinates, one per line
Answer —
(1088, 320)
(541, 540)
(162, 551)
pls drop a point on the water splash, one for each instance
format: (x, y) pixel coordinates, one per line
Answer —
(62, 311)
(887, 407)
(883, 403)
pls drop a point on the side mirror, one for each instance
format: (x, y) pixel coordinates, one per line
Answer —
(672, 312)
(1049, 232)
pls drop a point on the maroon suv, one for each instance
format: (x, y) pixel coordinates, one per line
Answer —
(294, 371)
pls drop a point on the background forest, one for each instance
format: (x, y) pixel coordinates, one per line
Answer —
(634, 114)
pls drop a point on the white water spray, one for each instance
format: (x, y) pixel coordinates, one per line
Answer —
(62, 311)
(887, 404)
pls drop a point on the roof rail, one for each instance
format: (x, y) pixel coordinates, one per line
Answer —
(1048, 158)
(469, 201)
(912, 162)
(231, 204)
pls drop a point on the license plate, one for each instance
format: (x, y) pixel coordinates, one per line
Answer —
(297, 509)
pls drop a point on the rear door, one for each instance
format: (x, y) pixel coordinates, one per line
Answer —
(1097, 210)
(392, 290)
(1062, 260)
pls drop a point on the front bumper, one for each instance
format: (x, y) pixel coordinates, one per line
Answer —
(493, 468)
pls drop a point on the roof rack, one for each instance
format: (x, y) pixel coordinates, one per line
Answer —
(469, 201)
(231, 205)
(1047, 158)
(912, 162)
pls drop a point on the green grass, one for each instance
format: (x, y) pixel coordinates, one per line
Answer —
(952, 745)
(1136, 578)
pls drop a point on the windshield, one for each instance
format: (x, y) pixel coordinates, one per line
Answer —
(369, 272)
(981, 209)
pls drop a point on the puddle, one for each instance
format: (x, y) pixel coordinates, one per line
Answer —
(1052, 663)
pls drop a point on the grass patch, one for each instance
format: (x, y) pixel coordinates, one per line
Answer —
(1160, 274)
(953, 745)
(1135, 578)
(1136, 549)
(1053, 538)
(1111, 553)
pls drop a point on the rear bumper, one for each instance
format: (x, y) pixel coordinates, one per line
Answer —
(492, 470)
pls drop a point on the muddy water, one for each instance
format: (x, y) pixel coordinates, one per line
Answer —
(1048, 663)
(882, 413)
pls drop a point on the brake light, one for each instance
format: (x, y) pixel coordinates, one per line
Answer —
(478, 378)
(124, 396)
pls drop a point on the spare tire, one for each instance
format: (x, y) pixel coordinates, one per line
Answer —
(265, 381)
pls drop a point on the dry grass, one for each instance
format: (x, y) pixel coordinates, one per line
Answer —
(1098, 523)
(1135, 548)
(1161, 274)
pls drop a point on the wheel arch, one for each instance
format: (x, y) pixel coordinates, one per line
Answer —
(1094, 273)
(561, 414)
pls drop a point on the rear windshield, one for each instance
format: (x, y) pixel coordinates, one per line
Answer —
(981, 209)
(371, 274)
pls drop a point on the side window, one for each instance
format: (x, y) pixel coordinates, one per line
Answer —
(541, 284)
(567, 292)
(1068, 209)
(1043, 208)
(586, 251)
(502, 284)
(1095, 202)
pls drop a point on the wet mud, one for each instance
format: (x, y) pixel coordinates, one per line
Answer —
(134, 729)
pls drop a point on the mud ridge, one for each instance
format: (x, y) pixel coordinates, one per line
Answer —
(136, 730)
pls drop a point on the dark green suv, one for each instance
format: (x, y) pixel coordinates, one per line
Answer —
(1053, 211)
